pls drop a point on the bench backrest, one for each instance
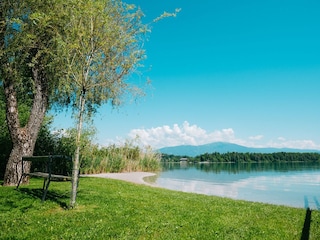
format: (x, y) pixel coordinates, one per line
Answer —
(57, 164)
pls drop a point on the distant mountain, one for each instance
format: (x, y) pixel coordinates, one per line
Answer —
(223, 147)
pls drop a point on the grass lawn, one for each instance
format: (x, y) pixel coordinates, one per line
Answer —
(112, 209)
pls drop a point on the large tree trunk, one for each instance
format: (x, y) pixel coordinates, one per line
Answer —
(23, 147)
(24, 138)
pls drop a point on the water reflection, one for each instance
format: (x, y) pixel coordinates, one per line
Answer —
(291, 184)
(248, 167)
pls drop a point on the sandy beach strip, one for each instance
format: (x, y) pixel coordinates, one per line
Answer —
(134, 177)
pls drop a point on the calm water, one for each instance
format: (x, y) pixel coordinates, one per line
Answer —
(292, 184)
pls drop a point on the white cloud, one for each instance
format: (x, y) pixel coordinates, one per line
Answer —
(258, 137)
(184, 134)
(281, 139)
(191, 134)
(299, 144)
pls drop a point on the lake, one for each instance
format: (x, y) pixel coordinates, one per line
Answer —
(295, 184)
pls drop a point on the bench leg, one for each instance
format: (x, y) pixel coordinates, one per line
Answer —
(20, 181)
(46, 184)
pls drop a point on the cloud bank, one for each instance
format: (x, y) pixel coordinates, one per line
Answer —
(184, 134)
(187, 134)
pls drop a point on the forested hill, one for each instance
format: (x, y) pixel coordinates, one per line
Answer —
(222, 147)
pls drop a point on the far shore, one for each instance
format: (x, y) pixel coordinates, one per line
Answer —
(133, 177)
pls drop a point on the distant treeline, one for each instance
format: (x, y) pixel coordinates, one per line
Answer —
(236, 157)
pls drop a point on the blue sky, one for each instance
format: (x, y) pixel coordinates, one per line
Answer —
(246, 72)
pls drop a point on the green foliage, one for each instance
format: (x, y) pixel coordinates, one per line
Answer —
(94, 159)
(112, 209)
(46, 141)
(167, 14)
(235, 157)
(5, 141)
(100, 46)
(29, 32)
(126, 158)
(66, 144)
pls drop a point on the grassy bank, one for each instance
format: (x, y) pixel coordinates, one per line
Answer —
(111, 209)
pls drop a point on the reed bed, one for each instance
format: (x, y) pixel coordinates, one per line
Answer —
(126, 158)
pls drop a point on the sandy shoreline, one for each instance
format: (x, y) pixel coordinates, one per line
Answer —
(134, 177)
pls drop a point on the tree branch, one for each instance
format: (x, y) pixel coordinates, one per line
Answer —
(40, 100)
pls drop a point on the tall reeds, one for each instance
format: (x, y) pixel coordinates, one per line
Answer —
(125, 158)
(130, 156)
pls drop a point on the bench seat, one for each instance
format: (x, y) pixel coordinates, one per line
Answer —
(47, 172)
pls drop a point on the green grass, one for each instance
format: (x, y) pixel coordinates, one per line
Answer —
(111, 209)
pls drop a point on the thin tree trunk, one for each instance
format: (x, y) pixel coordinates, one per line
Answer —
(76, 159)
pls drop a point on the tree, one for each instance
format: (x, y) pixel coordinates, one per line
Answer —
(102, 46)
(75, 53)
(28, 31)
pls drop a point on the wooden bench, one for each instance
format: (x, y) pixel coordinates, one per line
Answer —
(44, 166)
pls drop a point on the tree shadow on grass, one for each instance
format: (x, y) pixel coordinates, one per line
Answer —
(306, 226)
(52, 195)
